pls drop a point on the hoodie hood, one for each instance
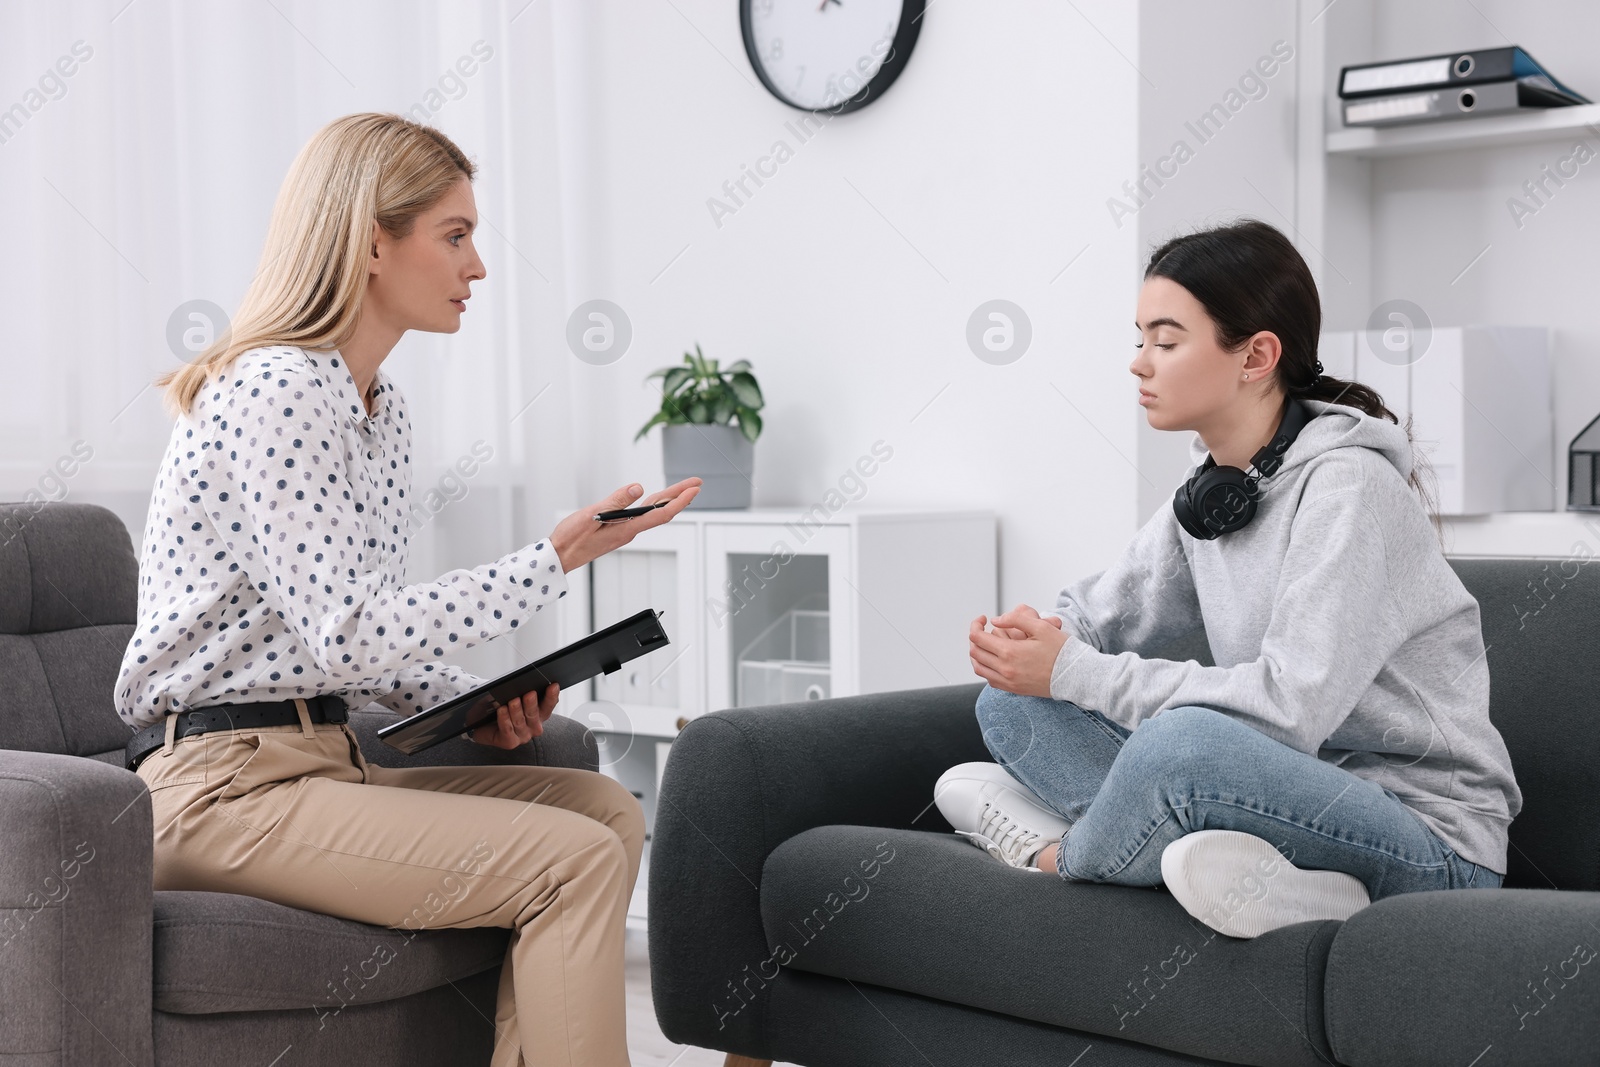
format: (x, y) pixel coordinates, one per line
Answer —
(1334, 426)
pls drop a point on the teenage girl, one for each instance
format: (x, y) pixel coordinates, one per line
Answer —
(1340, 750)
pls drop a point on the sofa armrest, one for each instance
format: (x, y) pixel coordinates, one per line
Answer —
(566, 742)
(1438, 977)
(75, 912)
(741, 782)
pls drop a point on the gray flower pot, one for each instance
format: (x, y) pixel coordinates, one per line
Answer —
(721, 455)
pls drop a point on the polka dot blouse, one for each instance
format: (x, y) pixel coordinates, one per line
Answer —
(274, 555)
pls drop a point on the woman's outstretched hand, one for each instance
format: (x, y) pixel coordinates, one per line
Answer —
(519, 720)
(579, 539)
(1020, 654)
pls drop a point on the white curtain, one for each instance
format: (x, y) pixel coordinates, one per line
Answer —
(141, 147)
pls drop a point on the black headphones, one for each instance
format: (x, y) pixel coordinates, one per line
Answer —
(1219, 500)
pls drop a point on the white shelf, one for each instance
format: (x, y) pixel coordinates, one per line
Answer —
(1551, 124)
(1530, 534)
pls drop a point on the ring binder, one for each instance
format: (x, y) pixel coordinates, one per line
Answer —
(1453, 70)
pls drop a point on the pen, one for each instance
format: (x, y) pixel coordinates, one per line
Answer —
(629, 513)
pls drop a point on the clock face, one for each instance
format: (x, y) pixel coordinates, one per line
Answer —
(822, 54)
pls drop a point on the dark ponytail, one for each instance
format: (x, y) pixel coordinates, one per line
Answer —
(1249, 278)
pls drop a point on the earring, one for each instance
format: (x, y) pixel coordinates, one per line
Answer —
(1247, 377)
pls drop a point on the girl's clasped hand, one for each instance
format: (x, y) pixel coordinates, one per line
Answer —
(1019, 654)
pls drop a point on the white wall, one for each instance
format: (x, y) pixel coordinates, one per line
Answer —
(847, 279)
(601, 131)
(1195, 57)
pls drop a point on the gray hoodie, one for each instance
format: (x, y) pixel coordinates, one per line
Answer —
(1336, 625)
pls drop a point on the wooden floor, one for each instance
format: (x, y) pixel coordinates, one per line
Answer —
(646, 1045)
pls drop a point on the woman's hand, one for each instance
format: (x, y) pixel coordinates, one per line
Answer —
(519, 720)
(1018, 664)
(579, 539)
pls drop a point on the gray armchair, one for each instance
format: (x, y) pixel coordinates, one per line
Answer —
(96, 967)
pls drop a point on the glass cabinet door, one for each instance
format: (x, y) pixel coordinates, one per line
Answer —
(779, 614)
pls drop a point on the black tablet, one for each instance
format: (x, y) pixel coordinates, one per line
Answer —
(602, 652)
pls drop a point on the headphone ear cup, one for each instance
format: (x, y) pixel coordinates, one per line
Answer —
(1185, 512)
(1215, 502)
(1218, 499)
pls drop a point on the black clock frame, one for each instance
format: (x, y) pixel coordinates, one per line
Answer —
(905, 38)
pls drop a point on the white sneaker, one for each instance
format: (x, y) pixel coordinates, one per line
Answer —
(1240, 885)
(997, 813)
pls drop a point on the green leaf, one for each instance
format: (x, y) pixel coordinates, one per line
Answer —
(675, 380)
(673, 408)
(700, 392)
(745, 388)
(655, 420)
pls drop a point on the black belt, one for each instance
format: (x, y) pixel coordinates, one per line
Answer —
(250, 716)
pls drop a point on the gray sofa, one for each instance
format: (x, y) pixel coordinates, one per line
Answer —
(808, 903)
(95, 967)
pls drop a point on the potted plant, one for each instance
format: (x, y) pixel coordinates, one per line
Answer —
(709, 426)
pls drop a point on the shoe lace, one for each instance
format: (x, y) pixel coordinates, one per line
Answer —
(1002, 837)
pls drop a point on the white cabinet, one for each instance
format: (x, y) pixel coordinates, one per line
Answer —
(769, 606)
(1480, 401)
(659, 570)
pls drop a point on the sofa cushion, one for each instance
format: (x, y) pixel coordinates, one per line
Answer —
(870, 1026)
(927, 913)
(58, 692)
(1485, 976)
(68, 600)
(28, 719)
(224, 952)
(65, 566)
(1541, 625)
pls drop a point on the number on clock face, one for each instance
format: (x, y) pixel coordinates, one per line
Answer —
(819, 53)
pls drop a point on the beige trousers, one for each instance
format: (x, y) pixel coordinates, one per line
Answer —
(295, 815)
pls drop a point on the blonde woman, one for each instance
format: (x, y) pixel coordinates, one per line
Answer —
(273, 598)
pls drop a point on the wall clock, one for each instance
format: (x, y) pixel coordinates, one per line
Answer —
(829, 55)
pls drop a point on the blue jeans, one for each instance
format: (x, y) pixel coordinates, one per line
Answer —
(1130, 794)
